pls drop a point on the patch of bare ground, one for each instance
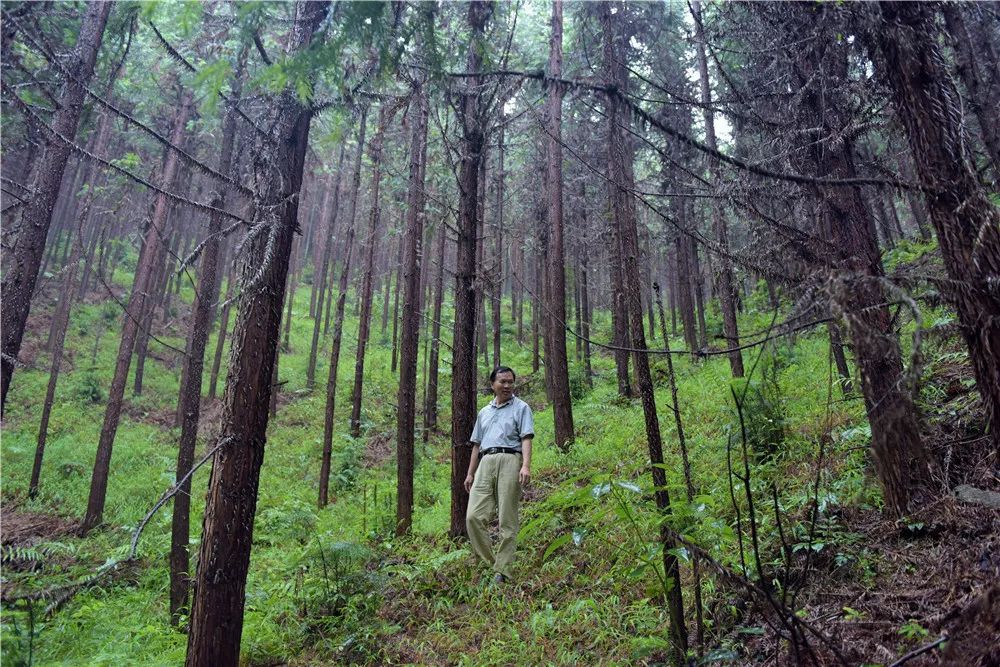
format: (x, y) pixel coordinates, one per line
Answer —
(20, 529)
(926, 588)
(378, 449)
(164, 418)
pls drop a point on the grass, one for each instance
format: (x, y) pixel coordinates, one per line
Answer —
(333, 586)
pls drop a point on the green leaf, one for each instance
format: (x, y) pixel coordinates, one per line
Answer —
(560, 541)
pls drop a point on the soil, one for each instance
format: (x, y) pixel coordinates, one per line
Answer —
(22, 529)
(378, 449)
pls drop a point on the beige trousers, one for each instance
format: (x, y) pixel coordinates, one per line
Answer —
(496, 487)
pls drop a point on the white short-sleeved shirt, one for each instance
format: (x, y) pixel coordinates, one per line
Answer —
(503, 425)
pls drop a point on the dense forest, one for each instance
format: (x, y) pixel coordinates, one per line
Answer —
(744, 258)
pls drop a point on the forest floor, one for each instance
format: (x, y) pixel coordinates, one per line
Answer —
(334, 585)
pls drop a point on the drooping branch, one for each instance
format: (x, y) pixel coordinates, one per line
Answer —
(109, 165)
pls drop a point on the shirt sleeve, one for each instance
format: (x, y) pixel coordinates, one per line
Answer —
(477, 431)
(526, 422)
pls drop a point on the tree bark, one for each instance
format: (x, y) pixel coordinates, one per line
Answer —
(149, 259)
(726, 282)
(201, 321)
(471, 113)
(983, 97)
(623, 214)
(431, 399)
(966, 222)
(217, 611)
(902, 462)
(556, 357)
(21, 266)
(338, 326)
(410, 274)
(395, 308)
(498, 251)
(386, 112)
(329, 213)
(221, 338)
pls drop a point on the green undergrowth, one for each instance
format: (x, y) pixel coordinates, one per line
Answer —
(334, 585)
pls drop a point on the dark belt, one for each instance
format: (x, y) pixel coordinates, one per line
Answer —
(498, 450)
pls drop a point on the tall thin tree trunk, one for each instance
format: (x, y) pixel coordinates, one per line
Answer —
(498, 253)
(623, 213)
(688, 481)
(386, 113)
(395, 308)
(410, 274)
(149, 259)
(329, 213)
(217, 611)
(338, 326)
(221, 338)
(585, 306)
(726, 281)
(685, 300)
(201, 321)
(21, 265)
(430, 409)
(556, 357)
(59, 326)
(463, 376)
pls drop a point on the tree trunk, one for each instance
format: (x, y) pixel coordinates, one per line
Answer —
(698, 284)
(152, 300)
(498, 252)
(484, 283)
(619, 316)
(92, 178)
(387, 287)
(585, 306)
(623, 213)
(684, 301)
(149, 259)
(913, 199)
(556, 357)
(410, 274)
(471, 113)
(395, 308)
(431, 400)
(293, 282)
(902, 462)
(338, 326)
(60, 323)
(201, 321)
(22, 264)
(217, 612)
(984, 94)
(221, 338)
(726, 282)
(386, 112)
(329, 213)
(966, 222)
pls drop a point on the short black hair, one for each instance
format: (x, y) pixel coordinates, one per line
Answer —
(501, 369)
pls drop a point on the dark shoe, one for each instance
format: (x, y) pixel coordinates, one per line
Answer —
(499, 579)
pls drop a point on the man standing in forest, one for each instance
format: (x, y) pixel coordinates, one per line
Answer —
(500, 464)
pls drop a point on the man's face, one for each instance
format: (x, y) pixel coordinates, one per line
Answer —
(503, 386)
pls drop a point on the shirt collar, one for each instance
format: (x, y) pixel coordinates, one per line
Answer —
(504, 404)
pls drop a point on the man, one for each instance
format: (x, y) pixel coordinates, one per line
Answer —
(500, 464)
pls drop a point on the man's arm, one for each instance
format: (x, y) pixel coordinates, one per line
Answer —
(473, 464)
(525, 475)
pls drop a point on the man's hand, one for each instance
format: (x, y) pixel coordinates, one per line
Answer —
(524, 476)
(468, 483)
